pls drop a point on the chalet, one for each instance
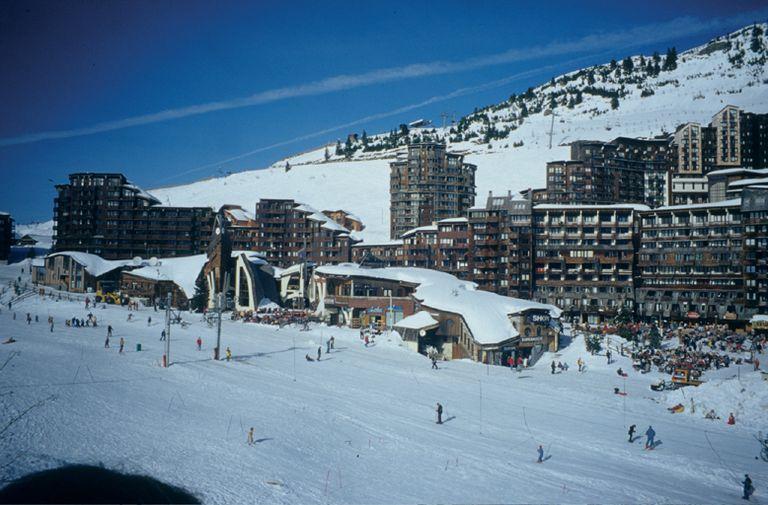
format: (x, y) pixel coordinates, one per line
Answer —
(154, 281)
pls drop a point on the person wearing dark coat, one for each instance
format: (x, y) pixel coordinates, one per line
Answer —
(553, 367)
(748, 489)
(319, 352)
(631, 433)
(439, 413)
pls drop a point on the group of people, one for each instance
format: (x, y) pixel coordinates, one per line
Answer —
(88, 321)
(276, 316)
(330, 344)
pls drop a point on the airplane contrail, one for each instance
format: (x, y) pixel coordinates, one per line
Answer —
(641, 35)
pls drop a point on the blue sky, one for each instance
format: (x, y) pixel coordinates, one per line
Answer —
(164, 91)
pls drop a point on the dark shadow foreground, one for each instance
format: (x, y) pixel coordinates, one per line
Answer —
(91, 484)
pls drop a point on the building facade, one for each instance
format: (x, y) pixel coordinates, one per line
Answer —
(106, 215)
(429, 184)
(6, 235)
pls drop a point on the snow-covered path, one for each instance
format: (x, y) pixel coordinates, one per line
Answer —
(356, 427)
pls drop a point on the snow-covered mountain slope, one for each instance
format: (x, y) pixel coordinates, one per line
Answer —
(358, 426)
(509, 141)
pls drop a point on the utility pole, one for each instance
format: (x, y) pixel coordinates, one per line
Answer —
(219, 303)
(168, 329)
(552, 129)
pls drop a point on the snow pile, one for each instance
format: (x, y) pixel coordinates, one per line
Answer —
(745, 394)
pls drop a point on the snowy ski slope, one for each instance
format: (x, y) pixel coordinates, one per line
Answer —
(358, 426)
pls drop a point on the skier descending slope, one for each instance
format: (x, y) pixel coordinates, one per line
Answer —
(540, 450)
(439, 410)
(631, 433)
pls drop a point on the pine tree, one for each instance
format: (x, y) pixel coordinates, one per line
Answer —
(614, 103)
(627, 65)
(756, 45)
(591, 77)
(642, 61)
(579, 97)
(200, 299)
(670, 60)
(656, 69)
(339, 152)
(523, 110)
(365, 137)
(656, 57)
(613, 64)
(552, 82)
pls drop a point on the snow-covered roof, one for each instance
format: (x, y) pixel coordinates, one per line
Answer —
(93, 264)
(251, 257)
(617, 206)
(4, 214)
(38, 262)
(735, 202)
(240, 214)
(318, 216)
(412, 231)
(485, 313)
(420, 320)
(454, 220)
(760, 317)
(141, 193)
(748, 182)
(741, 170)
(379, 243)
(182, 271)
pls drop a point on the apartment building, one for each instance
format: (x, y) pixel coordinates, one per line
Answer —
(454, 253)
(105, 214)
(419, 247)
(290, 232)
(242, 228)
(429, 184)
(691, 262)
(378, 254)
(6, 235)
(585, 258)
(754, 215)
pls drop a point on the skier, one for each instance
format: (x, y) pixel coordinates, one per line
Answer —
(434, 363)
(199, 343)
(439, 413)
(130, 316)
(319, 351)
(580, 362)
(122, 344)
(631, 433)
(29, 318)
(106, 343)
(162, 335)
(553, 367)
(229, 354)
(731, 419)
(109, 331)
(650, 434)
(250, 436)
(748, 488)
(540, 450)
(608, 355)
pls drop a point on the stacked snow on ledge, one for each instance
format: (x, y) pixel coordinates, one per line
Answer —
(486, 314)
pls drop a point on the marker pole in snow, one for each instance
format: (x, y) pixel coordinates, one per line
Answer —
(168, 330)
(481, 406)
(218, 326)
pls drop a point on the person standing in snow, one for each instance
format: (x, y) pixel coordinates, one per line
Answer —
(631, 433)
(250, 436)
(122, 344)
(540, 450)
(366, 340)
(328, 346)
(580, 362)
(608, 355)
(748, 488)
(731, 419)
(333, 342)
(650, 434)
(319, 352)
(149, 321)
(162, 335)
(439, 410)
(29, 318)
(109, 331)
(434, 363)
(553, 366)
(525, 362)
(199, 343)
(106, 343)
(229, 354)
